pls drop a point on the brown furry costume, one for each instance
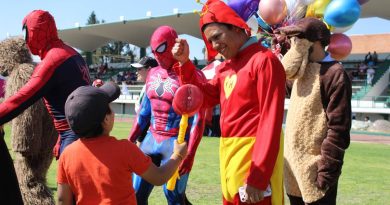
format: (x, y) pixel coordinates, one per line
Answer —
(33, 134)
(319, 116)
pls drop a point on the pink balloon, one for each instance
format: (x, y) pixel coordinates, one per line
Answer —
(361, 2)
(340, 46)
(273, 11)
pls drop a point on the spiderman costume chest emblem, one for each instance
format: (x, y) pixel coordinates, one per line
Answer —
(162, 86)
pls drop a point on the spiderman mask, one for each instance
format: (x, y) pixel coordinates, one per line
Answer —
(162, 42)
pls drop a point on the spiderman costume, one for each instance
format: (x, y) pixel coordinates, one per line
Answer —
(61, 71)
(156, 107)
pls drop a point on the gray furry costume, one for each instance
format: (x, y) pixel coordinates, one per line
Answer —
(33, 134)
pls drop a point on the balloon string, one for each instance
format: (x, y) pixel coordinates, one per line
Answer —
(205, 10)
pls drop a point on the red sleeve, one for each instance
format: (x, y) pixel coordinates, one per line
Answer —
(196, 135)
(61, 175)
(197, 126)
(32, 91)
(138, 162)
(271, 92)
(187, 75)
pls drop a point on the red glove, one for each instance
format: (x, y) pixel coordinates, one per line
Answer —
(56, 149)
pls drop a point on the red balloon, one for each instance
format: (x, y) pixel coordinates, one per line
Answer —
(340, 46)
(188, 99)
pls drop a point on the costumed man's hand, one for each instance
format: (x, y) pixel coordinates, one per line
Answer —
(254, 195)
(307, 28)
(329, 171)
(296, 59)
(181, 51)
(186, 165)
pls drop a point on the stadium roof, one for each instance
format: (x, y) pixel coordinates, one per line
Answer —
(139, 31)
(136, 32)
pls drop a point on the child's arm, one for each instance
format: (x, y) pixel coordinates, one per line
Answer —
(160, 175)
(65, 196)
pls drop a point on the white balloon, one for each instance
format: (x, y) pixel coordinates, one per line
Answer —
(306, 2)
(296, 9)
(341, 29)
(252, 23)
(291, 4)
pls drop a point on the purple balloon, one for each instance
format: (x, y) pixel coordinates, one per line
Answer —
(244, 8)
(361, 2)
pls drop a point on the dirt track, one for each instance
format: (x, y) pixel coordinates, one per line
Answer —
(370, 139)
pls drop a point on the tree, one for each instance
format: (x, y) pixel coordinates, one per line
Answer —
(92, 19)
(118, 51)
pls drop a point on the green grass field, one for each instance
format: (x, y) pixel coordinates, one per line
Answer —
(365, 179)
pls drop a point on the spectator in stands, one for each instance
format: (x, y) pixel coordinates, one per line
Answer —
(370, 75)
(119, 77)
(355, 75)
(375, 58)
(362, 67)
(368, 58)
(212, 115)
(97, 83)
(97, 168)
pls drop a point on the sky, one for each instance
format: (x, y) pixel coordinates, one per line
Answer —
(67, 13)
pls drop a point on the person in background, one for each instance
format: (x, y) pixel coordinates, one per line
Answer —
(212, 114)
(97, 83)
(97, 168)
(368, 58)
(143, 66)
(370, 75)
(250, 87)
(375, 58)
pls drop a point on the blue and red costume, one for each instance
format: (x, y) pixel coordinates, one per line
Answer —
(61, 71)
(156, 107)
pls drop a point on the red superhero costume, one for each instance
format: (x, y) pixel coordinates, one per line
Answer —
(250, 89)
(156, 107)
(61, 71)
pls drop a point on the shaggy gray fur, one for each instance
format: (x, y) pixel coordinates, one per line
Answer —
(33, 133)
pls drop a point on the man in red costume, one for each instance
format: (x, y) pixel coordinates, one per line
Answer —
(61, 71)
(250, 88)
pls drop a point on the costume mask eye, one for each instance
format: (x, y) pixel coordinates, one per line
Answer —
(25, 33)
(161, 48)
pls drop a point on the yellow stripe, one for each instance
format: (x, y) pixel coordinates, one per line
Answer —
(236, 156)
(277, 176)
